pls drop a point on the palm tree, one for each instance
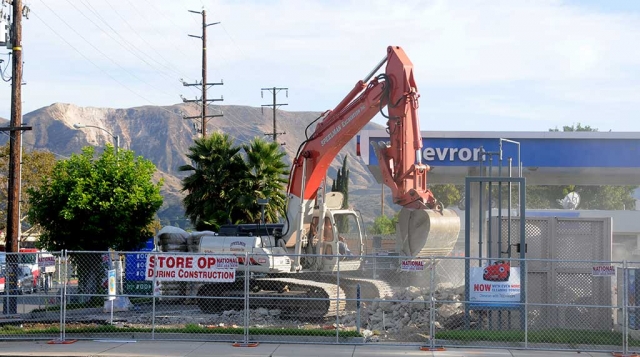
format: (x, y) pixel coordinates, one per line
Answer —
(215, 184)
(266, 178)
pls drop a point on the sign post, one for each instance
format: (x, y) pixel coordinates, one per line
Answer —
(112, 290)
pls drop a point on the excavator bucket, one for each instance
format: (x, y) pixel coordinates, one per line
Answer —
(425, 232)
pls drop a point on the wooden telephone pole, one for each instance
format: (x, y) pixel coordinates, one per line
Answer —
(275, 105)
(203, 100)
(15, 145)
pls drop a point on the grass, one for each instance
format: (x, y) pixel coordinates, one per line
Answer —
(189, 328)
(558, 336)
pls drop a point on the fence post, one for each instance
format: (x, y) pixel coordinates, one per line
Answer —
(246, 297)
(625, 309)
(432, 304)
(153, 298)
(526, 302)
(358, 296)
(338, 300)
(63, 294)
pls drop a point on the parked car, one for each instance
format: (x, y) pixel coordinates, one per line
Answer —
(26, 281)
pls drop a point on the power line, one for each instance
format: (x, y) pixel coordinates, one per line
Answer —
(101, 69)
(88, 59)
(172, 68)
(97, 49)
(122, 38)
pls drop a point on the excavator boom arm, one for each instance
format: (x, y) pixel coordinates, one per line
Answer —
(424, 227)
(400, 165)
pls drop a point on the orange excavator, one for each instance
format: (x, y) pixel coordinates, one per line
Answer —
(295, 260)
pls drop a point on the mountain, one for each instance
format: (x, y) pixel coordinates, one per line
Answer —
(161, 135)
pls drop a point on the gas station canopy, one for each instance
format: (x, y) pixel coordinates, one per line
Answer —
(548, 158)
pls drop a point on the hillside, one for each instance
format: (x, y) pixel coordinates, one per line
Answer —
(162, 136)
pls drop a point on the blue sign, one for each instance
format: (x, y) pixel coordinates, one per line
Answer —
(535, 152)
(112, 284)
(135, 263)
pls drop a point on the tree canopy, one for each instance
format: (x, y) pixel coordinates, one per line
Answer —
(226, 181)
(93, 203)
(35, 165)
(384, 225)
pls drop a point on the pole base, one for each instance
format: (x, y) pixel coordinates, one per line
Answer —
(246, 344)
(61, 342)
(434, 348)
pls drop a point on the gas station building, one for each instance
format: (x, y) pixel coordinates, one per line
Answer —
(546, 158)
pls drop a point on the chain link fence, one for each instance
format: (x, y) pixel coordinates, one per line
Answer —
(560, 304)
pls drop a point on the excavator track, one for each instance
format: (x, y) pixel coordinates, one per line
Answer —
(327, 299)
(370, 289)
(295, 298)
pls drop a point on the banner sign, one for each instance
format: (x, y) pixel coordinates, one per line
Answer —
(603, 270)
(183, 267)
(412, 265)
(498, 282)
(46, 261)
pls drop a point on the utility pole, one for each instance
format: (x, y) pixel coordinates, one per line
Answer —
(275, 105)
(203, 113)
(15, 145)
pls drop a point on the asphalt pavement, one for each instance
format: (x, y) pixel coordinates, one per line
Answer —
(132, 348)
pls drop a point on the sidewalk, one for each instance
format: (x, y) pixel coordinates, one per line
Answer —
(202, 349)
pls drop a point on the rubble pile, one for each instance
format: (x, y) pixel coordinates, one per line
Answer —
(403, 314)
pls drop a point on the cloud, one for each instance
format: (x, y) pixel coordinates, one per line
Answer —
(510, 64)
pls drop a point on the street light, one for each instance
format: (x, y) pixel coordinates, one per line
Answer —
(115, 137)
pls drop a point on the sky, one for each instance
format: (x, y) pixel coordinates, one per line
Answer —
(479, 65)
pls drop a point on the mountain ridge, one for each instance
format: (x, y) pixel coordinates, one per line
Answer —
(160, 134)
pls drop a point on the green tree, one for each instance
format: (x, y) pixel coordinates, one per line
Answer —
(224, 184)
(35, 165)
(384, 225)
(591, 197)
(447, 194)
(341, 184)
(94, 203)
(266, 178)
(216, 181)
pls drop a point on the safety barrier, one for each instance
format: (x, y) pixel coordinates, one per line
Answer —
(434, 302)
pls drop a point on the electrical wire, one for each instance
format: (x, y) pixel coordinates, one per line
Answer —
(88, 59)
(122, 38)
(102, 70)
(2, 71)
(97, 49)
(173, 68)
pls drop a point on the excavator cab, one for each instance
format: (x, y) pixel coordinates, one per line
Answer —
(341, 239)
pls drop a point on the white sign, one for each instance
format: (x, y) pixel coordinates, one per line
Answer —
(112, 284)
(498, 282)
(412, 265)
(603, 270)
(451, 154)
(183, 267)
